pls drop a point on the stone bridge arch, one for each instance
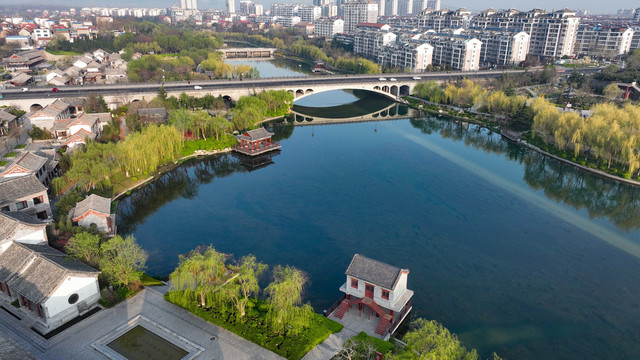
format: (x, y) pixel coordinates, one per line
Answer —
(390, 91)
(35, 107)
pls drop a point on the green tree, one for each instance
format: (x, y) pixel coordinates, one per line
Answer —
(122, 260)
(220, 125)
(285, 297)
(430, 340)
(85, 247)
(246, 282)
(611, 91)
(200, 274)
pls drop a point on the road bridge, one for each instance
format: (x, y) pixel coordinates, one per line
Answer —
(240, 53)
(119, 94)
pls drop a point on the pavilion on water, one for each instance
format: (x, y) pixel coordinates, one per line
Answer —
(255, 142)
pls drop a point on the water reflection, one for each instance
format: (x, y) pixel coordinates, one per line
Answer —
(602, 198)
(172, 185)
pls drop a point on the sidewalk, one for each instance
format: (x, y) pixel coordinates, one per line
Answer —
(76, 342)
(331, 346)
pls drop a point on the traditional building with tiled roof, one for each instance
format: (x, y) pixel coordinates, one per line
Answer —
(24, 194)
(95, 211)
(43, 166)
(51, 287)
(21, 227)
(379, 290)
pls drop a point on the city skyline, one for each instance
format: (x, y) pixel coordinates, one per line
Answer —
(591, 5)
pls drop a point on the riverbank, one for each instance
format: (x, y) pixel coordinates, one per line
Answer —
(169, 167)
(463, 114)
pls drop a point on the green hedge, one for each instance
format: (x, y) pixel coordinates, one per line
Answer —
(255, 328)
(11, 154)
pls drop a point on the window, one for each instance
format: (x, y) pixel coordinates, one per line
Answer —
(21, 205)
(73, 298)
(385, 294)
(38, 200)
(5, 208)
(354, 283)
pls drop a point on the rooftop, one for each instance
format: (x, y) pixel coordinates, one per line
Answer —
(374, 271)
(93, 202)
(41, 277)
(13, 188)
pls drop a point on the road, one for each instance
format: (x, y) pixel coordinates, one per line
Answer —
(220, 85)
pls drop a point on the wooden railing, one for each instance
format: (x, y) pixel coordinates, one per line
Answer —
(335, 305)
(403, 312)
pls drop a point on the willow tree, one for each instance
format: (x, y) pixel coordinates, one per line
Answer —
(220, 125)
(199, 274)
(146, 150)
(285, 299)
(245, 283)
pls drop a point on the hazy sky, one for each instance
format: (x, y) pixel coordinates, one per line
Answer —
(594, 6)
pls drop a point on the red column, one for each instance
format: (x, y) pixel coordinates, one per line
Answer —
(38, 308)
(8, 291)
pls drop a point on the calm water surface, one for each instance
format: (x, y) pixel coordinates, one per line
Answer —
(274, 67)
(516, 253)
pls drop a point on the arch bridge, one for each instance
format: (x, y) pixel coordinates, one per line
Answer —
(120, 94)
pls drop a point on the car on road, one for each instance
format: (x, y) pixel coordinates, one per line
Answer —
(54, 89)
(416, 78)
(383, 79)
(393, 79)
(25, 89)
(197, 87)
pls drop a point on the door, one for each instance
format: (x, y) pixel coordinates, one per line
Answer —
(368, 290)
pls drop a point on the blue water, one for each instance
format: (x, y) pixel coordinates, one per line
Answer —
(515, 253)
(274, 68)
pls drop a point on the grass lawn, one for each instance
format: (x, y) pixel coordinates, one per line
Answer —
(21, 146)
(3, 163)
(210, 144)
(11, 154)
(254, 327)
(149, 281)
(380, 345)
(60, 52)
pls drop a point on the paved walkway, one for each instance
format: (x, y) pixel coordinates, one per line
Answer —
(75, 342)
(331, 346)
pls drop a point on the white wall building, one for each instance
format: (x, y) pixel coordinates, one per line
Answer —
(50, 287)
(501, 47)
(409, 56)
(600, 40)
(375, 287)
(367, 42)
(359, 11)
(326, 27)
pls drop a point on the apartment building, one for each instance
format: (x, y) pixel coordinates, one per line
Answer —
(284, 10)
(359, 11)
(309, 13)
(603, 40)
(457, 51)
(552, 34)
(327, 27)
(412, 56)
(501, 47)
(367, 42)
(439, 20)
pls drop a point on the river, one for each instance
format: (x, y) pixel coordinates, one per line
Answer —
(270, 68)
(515, 252)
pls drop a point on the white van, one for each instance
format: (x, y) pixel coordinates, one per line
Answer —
(197, 87)
(25, 89)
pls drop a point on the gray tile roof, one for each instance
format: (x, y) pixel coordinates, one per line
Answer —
(42, 277)
(93, 202)
(87, 119)
(374, 271)
(13, 188)
(256, 134)
(6, 115)
(12, 223)
(28, 161)
(12, 261)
